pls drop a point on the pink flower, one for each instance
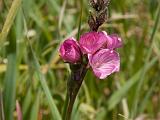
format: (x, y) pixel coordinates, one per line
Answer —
(70, 51)
(104, 62)
(100, 49)
(92, 41)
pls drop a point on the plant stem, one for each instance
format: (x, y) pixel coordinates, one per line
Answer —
(70, 105)
(74, 83)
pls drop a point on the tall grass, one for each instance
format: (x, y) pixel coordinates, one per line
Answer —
(32, 72)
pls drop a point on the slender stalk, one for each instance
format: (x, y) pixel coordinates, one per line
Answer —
(9, 20)
(74, 83)
(65, 107)
(80, 20)
(2, 117)
(70, 105)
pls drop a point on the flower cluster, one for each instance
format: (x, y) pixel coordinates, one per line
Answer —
(99, 49)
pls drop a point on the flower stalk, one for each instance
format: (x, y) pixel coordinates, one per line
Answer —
(74, 83)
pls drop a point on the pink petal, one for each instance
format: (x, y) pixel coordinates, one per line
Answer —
(19, 111)
(113, 41)
(104, 62)
(92, 41)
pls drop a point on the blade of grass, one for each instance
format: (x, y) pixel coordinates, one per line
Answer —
(119, 94)
(88, 98)
(75, 111)
(80, 20)
(54, 5)
(38, 17)
(61, 15)
(65, 107)
(26, 103)
(124, 102)
(147, 96)
(10, 79)
(39, 76)
(141, 77)
(9, 20)
(35, 108)
(1, 107)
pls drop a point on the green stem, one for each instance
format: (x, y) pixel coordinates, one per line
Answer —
(70, 105)
(74, 83)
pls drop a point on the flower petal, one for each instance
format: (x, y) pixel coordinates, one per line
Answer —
(104, 62)
(92, 41)
(113, 41)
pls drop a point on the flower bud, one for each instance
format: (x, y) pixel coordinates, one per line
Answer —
(93, 3)
(92, 23)
(101, 17)
(70, 51)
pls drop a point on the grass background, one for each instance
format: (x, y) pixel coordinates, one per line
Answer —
(32, 73)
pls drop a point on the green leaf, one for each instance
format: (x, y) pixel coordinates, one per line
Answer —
(39, 76)
(35, 108)
(54, 111)
(147, 96)
(10, 80)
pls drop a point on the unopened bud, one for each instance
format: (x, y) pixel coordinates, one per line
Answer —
(92, 23)
(70, 51)
(101, 17)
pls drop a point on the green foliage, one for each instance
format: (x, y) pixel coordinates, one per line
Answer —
(32, 72)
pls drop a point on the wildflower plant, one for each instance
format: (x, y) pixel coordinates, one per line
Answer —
(95, 49)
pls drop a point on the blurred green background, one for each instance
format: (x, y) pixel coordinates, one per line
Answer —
(34, 37)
